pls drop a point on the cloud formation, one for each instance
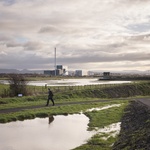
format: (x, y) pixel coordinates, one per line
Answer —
(91, 34)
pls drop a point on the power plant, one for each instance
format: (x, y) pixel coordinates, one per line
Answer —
(60, 70)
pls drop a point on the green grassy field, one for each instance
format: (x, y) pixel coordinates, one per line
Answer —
(98, 119)
(63, 99)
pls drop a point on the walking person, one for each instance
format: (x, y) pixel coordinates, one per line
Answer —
(50, 97)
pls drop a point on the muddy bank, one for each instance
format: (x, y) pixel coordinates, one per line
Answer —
(135, 128)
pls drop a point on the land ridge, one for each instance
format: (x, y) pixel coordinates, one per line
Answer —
(135, 126)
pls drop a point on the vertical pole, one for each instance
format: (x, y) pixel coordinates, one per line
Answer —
(55, 61)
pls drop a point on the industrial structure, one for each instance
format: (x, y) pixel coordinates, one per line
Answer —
(60, 70)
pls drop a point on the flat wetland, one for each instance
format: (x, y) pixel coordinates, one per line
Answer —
(68, 102)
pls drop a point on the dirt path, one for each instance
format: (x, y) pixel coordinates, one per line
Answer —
(10, 110)
(145, 101)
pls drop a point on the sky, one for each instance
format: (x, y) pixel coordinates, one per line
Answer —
(108, 35)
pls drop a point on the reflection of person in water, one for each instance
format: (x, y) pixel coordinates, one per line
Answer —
(50, 97)
(51, 118)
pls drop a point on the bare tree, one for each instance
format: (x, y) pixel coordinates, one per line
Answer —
(18, 84)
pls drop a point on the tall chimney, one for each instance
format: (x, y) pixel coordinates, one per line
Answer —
(55, 61)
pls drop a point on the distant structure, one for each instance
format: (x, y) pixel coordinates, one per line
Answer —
(55, 61)
(105, 76)
(94, 73)
(71, 73)
(78, 73)
(60, 70)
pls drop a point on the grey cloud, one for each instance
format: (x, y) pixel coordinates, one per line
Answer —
(9, 41)
(32, 46)
(8, 2)
(105, 57)
(73, 31)
(5, 38)
(13, 44)
(134, 41)
(79, 28)
(22, 60)
(134, 2)
(141, 37)
(112, 48)
(36, 61)
(137, 1)
(50, 29)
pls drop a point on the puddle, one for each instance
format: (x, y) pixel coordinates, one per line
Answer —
(102, 108)
(53, 133)
(58, 133)
(110, 128)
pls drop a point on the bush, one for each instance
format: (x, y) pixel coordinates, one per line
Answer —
(18, 85)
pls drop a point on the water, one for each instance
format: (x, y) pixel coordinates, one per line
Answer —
(102, 108)
(61, 133)
(74, 82)
(52, 133)
(70, 82)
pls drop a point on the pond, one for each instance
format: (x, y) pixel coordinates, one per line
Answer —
(58, 133)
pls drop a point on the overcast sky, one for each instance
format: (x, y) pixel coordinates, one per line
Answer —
(110, 35)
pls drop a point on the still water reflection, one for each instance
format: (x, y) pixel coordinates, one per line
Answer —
(74, 82)
(70, 82)
(58, 133)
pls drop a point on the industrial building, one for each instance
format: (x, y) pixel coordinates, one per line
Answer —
(60, 70)
(78, 73)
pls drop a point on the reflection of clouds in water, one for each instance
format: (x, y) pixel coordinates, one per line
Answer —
(70, 82)
(102, 108)
(69, 131)
(81, 82)
(112, 129)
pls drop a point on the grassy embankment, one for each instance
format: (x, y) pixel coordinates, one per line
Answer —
(63, 96)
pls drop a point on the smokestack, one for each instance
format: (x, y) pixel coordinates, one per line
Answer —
(55, 60)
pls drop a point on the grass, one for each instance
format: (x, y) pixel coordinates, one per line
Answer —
(99, 119)
(3, 89)
(112, 115)
(86, 91)
(64, 109)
